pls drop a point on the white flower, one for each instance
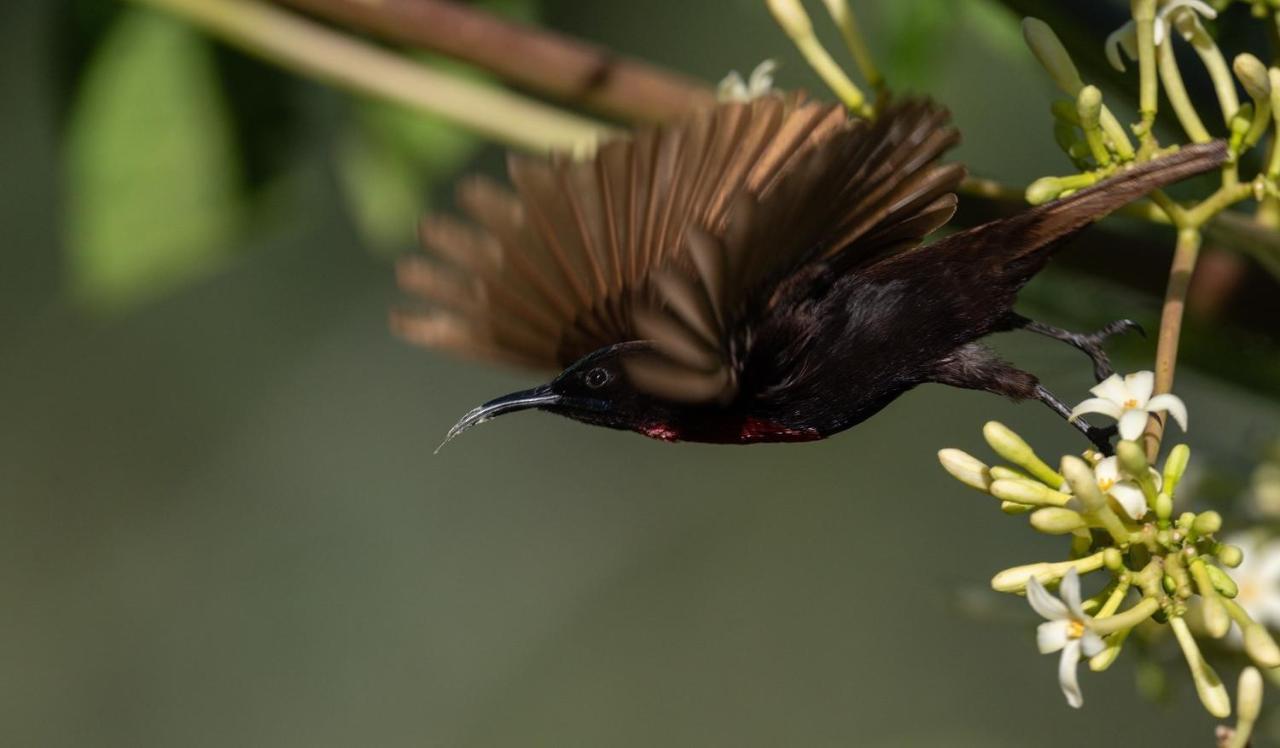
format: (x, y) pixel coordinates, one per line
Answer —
(759, 83)
(1258, 577)
(1129, 401)
(1066, 629)
(1126, 37)
(1127, 493)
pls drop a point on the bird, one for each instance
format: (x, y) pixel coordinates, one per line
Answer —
(754, 272)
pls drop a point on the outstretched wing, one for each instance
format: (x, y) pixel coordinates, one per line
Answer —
(865, 192)
(676, 235)
(552, 272)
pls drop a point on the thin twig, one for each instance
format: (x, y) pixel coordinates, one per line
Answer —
(552, 64)
(313, 50)
(1185, 254)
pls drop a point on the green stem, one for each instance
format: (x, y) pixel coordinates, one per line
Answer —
(311, 49)
(1140, 612)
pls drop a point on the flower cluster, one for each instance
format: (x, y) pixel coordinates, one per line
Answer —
(1118, 513)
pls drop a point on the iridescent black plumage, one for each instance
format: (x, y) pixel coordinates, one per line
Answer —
(754, 273)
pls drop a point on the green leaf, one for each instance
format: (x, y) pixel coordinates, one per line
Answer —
(389, 163)
(393, 157)
(153, 175)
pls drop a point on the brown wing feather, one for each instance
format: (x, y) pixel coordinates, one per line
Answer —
(663, 236)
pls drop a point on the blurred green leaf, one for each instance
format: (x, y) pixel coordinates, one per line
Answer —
(920, 32)
(389, 163)
(393, 157)
(152, 170)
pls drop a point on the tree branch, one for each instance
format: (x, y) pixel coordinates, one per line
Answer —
(555, 65)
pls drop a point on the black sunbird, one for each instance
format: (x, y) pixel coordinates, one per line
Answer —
(754, 273)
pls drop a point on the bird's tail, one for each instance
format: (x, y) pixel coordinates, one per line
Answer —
(1046, 225)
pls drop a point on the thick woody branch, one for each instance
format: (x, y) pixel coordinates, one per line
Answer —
(552, 64)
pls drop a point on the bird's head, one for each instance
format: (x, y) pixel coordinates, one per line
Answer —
(596, 389)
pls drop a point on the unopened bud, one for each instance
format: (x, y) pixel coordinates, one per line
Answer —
(965, 468)
(1163, 506)
(1186, 519)
(1089, 106)
(1208, 685)
(1230, 555)
(1013, 507)
(1222, 582)
(1044, 190)
(1216, 621)
(1249, 695)
(1174, 467)
(1132, 458)
(1083, 483)
(1260, 647)
(1028, 492)
(1207, 523)
(1056, 521)
(1253, 76)
(1014, 579)
(1013, 448)
(1113, 559)
(1048, 49)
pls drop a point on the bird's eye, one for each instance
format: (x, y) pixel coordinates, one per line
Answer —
(597, 378)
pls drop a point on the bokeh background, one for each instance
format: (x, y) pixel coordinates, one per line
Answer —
(221, 522)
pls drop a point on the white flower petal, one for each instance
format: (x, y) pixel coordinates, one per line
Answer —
(1173, 405)
(1140, 384)
(1069, 591)
(1112, 388)
(1115, 42)
(1130, 498)
(1052, 636)
(1107, 469)
(1199, 6)
(1097, 405)
(1157, 37)
(1091, 643)
(1132, 424)
(1067, 674)
(761, 80)
(1043, 603)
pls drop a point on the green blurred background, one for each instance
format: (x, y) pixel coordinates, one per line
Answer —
(222, 523)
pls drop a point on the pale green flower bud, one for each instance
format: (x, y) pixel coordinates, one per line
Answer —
(1207, 523)
(1222, 582)
(1208, 685)
(1231, 556)
(1186, 519)
(1249, 696)
(1056, 521)
(1013, 507)
(1216, 621)
(1014, 579)
(1083, 483)
(1028, 492)
(1044, 190)
(1000, 472)
(1174, 466)
(1253, 76)
(1052, 55)
(1163, 506)
(1132, 458)
(1260, 647)
(1013, 448)
(965, 468)
(1113, 559)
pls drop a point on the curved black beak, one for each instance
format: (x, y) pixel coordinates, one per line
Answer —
(538, 397)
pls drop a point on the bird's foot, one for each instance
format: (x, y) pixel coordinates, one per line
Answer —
(1091, 344)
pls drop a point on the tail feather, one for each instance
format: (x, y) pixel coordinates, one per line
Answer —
(1049, 223)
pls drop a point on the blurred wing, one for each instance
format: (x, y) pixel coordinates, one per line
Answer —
(865, 192)
(554, 271)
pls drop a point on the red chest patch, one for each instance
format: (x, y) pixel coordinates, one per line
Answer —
(756, 430)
